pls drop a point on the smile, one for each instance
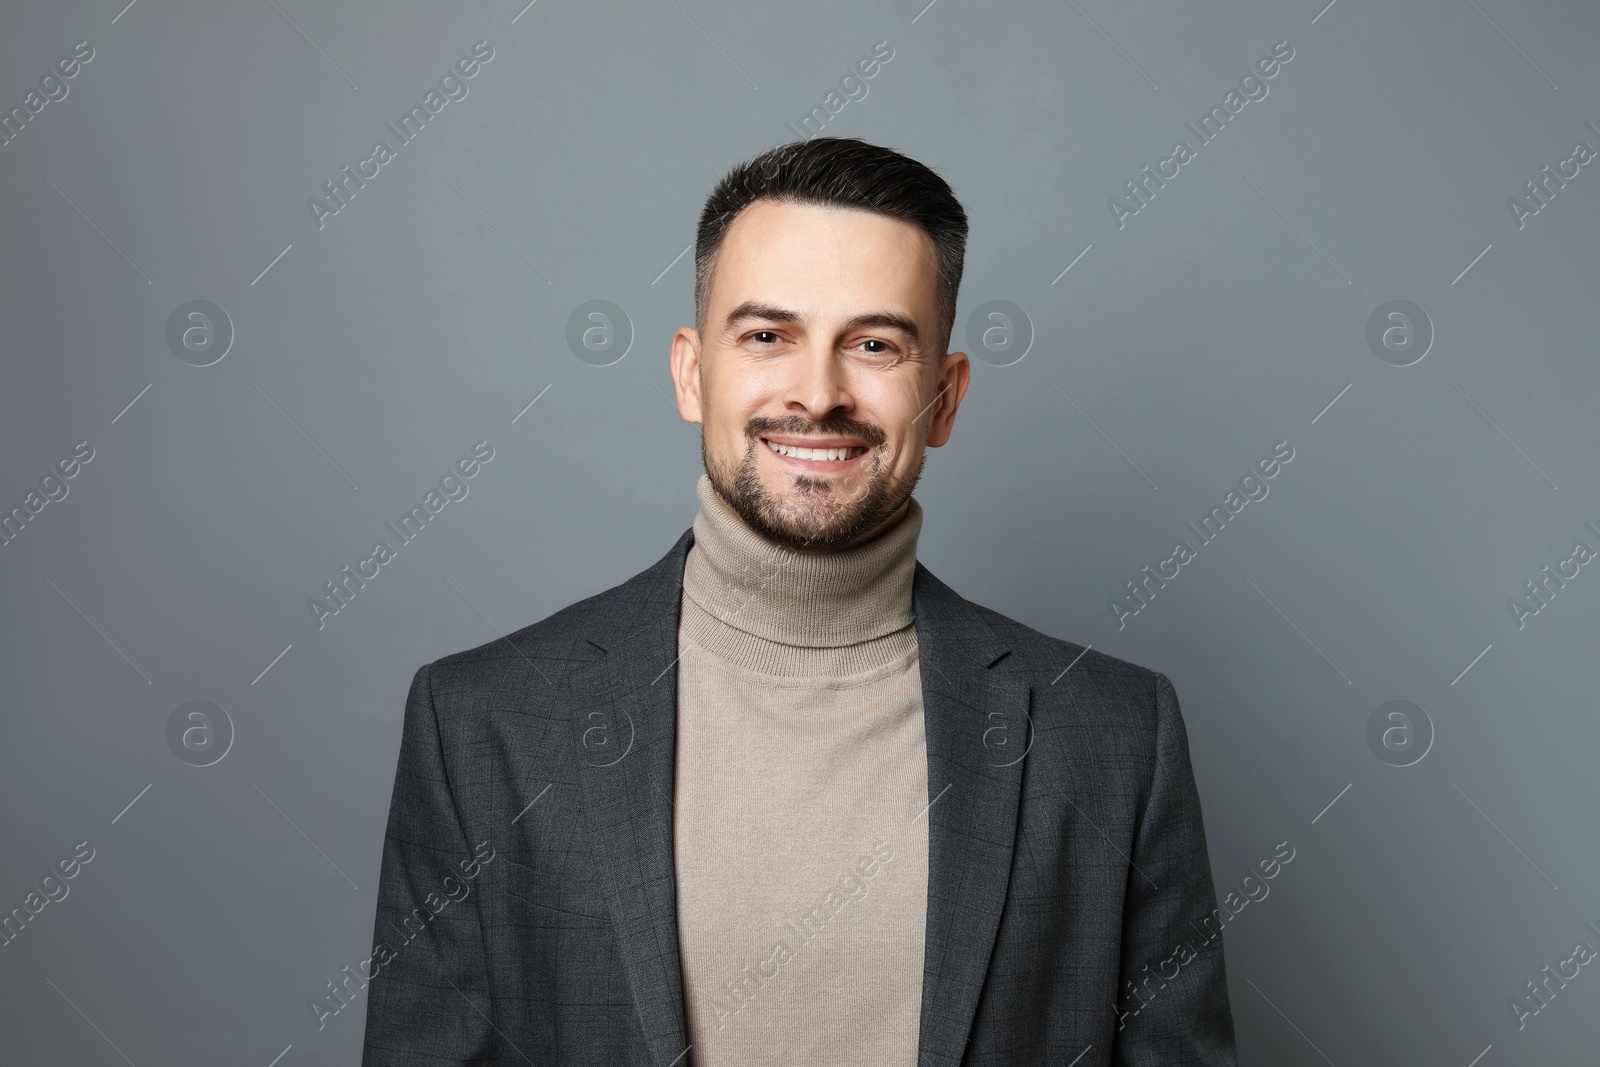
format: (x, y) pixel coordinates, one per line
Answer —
(846, 453)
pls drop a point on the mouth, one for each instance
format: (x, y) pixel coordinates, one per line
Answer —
(823, 455)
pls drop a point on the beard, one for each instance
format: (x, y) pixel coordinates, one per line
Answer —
(821, 513)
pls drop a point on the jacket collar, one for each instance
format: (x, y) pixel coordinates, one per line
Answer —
(624, 718)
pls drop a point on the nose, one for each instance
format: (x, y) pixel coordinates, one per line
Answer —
(817, 384)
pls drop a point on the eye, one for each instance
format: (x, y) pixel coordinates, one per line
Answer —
(882, 347)
(765, 337)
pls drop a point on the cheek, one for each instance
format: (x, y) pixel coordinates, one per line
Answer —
(723, 426)
(896, 408)
(729, 398)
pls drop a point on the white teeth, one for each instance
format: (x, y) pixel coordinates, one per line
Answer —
(814, 453)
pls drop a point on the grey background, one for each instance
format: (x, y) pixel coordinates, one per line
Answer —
(1226, 316)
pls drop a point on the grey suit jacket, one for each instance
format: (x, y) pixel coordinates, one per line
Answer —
(526, 905)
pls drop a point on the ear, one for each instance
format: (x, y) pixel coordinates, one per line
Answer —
(951, 385)
(685, 362)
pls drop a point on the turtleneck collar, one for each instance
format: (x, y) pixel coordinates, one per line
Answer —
(753, 594)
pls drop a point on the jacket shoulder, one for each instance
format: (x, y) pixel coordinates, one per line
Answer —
(562, 640)
(1078, 685)
(1034, 650)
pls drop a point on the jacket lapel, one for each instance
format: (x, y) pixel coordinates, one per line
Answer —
(978, 734)
(624, 720)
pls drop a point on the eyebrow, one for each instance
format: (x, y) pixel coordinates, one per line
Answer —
(754, 309)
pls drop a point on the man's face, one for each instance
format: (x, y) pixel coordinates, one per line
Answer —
(820, 329)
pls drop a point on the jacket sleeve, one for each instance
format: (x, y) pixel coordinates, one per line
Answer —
(429, 1002)
(1172, 1005)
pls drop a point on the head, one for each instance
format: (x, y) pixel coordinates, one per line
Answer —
(826, 275)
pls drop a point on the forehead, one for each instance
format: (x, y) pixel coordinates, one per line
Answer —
(823, 262)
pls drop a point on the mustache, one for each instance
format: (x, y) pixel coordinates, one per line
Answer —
(798, 425)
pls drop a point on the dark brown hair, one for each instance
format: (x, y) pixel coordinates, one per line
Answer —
(840, 172)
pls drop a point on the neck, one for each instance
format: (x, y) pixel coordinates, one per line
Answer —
(812, 599)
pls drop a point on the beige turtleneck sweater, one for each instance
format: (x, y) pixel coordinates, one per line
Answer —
(800, 832)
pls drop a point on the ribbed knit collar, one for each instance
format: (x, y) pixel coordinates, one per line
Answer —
(763, 605)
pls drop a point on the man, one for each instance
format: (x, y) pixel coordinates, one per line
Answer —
(785, 797)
